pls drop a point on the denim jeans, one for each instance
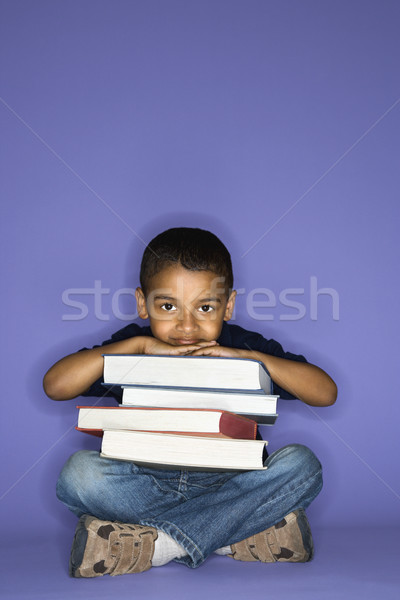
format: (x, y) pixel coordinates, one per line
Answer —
(202, 511)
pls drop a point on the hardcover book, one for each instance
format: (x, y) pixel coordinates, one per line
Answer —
(162, 450)
(261, 408)
(174, 420)
(202, 372)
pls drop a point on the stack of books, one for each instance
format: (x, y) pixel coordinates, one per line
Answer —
(191, 412)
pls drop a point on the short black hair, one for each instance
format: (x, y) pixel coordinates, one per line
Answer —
(193, 248)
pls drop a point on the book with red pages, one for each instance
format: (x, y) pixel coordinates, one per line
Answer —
(187, 421)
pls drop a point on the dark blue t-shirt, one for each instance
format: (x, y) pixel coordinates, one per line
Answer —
(232, 336)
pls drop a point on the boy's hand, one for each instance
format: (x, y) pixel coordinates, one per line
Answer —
(216, 350)
(152, 345)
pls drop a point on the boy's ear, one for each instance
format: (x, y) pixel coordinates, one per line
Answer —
(141, 303)
(230, 305)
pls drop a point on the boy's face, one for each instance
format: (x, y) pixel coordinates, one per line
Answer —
(185, 307)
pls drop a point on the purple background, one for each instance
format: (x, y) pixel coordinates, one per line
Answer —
(256, 119)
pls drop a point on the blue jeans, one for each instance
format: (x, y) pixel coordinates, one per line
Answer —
(202, 511)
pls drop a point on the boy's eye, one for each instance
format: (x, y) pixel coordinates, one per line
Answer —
(206, 308)
(167, 306)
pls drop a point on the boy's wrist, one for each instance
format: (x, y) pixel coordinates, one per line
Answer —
(133, 345)
(254, 355)
(139, 344)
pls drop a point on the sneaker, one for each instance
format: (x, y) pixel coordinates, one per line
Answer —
(108, 547)
(289, 540)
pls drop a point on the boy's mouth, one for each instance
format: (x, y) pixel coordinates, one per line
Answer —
(185, 341)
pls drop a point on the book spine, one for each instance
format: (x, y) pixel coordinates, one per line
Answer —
(237, 427)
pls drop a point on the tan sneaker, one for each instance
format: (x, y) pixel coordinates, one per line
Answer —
(289, 540)
(109, 547)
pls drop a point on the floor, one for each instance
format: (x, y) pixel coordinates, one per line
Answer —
(349, 564)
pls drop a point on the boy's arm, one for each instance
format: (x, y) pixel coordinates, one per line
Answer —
(74, 374)
(305, 381)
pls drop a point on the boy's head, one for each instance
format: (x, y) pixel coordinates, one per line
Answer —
(186, 286)
(194, 249)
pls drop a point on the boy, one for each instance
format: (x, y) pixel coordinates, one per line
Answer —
(132, 518)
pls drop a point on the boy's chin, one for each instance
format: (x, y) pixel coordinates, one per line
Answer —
(185, 341)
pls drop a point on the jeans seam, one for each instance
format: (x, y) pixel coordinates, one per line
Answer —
(304, 481)
(175, 492)
(205, 487)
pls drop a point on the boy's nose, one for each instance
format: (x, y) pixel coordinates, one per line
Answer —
(187, 321)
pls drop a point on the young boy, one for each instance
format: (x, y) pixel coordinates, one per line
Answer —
(131, 517)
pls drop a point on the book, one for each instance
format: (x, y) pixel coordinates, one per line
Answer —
(202, 372)
(163, 450)
(260, 408)
(177, 420)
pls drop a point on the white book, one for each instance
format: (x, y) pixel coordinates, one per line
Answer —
(202, 372)
(161, 450)
(261, 408)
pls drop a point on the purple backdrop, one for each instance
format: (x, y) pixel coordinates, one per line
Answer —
(274, 124)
